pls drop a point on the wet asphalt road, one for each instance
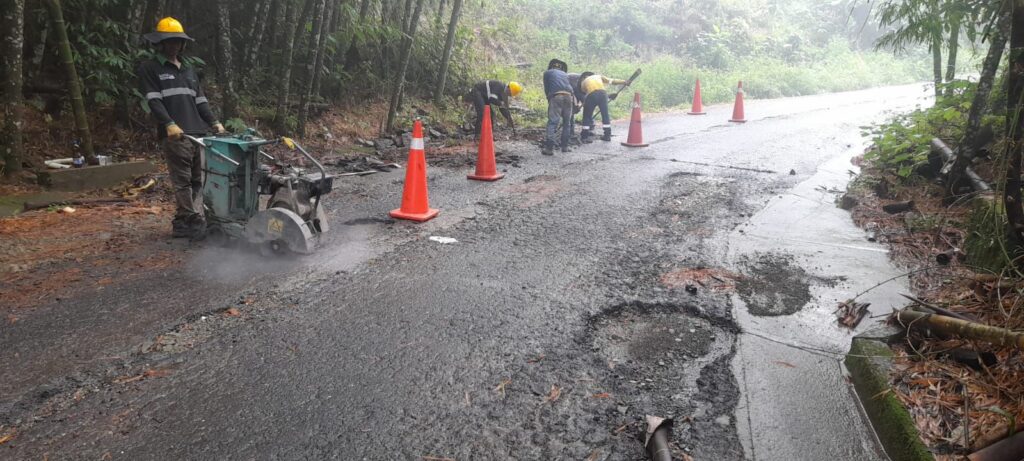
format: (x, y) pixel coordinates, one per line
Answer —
(585, 290)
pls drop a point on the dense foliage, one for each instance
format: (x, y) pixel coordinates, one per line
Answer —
(777, 47)
(264, 61)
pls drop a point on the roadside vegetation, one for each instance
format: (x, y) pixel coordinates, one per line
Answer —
(283, 65)
(942, 187)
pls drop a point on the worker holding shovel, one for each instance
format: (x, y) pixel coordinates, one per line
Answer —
(592, 86)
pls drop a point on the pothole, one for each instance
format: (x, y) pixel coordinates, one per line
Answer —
(648, 337)
(774, 285)
(654, 341)
(665, 361)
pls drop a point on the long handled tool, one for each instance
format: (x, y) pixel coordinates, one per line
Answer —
(629, 81)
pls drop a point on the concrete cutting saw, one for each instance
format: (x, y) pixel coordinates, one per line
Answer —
(238, 174)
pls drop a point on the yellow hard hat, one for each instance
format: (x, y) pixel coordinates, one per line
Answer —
(514, 88)
(167, 28)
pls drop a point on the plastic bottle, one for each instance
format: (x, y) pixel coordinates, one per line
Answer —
(79, 159)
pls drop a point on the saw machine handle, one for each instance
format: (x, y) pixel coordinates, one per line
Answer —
(323, 171)
(202, 145)
(292, 144)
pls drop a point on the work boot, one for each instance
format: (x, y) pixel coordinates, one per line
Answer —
(196, 229)
(607, 136)
(586, 137)
(179, 229)
(549, 149)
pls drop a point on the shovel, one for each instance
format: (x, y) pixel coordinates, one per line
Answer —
(629, 81)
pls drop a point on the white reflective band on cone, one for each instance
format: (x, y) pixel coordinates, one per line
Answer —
(417, 143)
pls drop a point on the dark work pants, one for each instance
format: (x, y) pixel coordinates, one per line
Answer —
(185, 168)
(559, 113)
(599, 100)
(478, 103)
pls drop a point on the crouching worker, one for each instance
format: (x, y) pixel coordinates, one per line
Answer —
(493, 93)
(595, 96)
(179, 107)
(560, 102)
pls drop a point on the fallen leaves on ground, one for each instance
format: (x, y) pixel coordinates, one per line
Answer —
(851, 313)
(150, 373)
(784, 364)
(553, 396)
(602, 395)
(714, 279)
(594, 455)
(7, 437)
(535, 359)
(957, 406)
(232, 312)
(42, 253)
(501, 387)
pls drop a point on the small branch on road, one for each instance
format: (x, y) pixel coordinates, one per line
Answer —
(29, 206)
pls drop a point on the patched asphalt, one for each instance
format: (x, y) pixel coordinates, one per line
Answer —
(582, 292)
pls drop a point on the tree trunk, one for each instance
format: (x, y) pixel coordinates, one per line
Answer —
(35, 63)
(449, 43)
(256, 34)
(227, 74)
(954, 46)
(148, 21)
(406, 24)
(321, 54)
(352, 54)
(440, 14)
(300, 26)
(311, 60)
(937, 62)
(279, 12)
(281, 114)
(406, 53)
(71, 74)
(12, 40)
(968, 145)
(406, 15)
(1015, 109)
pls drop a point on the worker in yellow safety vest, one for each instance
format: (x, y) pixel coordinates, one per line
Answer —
(592, 86)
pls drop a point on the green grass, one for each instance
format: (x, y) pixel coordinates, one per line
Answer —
(667, 82)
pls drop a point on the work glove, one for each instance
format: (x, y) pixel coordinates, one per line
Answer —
(219, 128)
(174, 133)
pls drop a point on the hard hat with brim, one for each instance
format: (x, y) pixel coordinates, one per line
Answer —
(157, 37)
(168, 28)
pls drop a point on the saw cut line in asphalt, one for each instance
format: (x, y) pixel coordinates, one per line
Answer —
(730, 167)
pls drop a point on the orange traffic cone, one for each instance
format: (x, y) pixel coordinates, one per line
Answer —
(698, 104)
(636, 135)
(737, 110)
(414, 196)
(486, 166)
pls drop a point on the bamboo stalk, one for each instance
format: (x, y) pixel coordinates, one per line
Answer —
(960, 328)
(74, 86)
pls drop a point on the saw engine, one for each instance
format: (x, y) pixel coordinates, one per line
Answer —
(239, 174)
